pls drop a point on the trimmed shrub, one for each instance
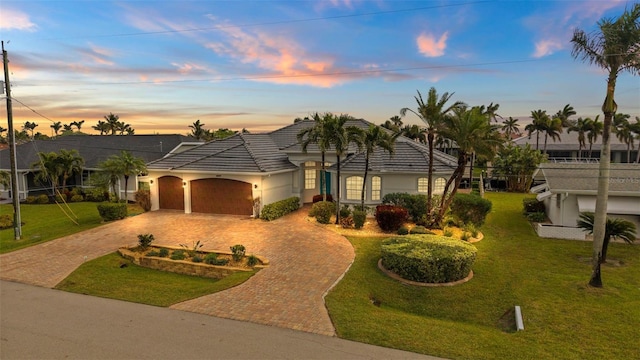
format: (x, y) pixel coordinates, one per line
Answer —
(178, 255)
(252, 260)
(112, 211)
(403, 230)
(96, 195)
(416, 205)
(345, 211)
(77, 198)
(322, 211)
(428, 258)
(537, 217)
(420, 230)
(31, 199)
(143, 199)
(359, 218)
(42, 199)
(318, 198)
(212, 259)
(164, 252)
(196, 259)
(390, 217)
(61, 197)
(280, 208)
(470, 209)
(6, 221)
(533, 206)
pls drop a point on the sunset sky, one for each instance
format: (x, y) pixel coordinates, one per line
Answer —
(161, 65)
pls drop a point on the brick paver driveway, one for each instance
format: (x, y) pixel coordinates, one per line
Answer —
(306, 260)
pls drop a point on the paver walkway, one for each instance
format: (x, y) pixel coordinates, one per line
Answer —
(306, 260)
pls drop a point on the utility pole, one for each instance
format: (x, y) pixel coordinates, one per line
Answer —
(17, 219)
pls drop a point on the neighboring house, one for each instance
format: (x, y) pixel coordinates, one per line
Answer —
(229, 176)
(571, 188)
(93, 149)
(566, 148)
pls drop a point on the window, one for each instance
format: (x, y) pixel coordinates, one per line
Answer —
(354, 187)
(310, 175)
(438, 186)
(375, 188)
(423, 184)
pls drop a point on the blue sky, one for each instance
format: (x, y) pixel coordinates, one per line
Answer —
(161, 65)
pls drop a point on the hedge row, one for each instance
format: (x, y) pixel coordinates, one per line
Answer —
(112, 211)
(428, 258)
(280, 208)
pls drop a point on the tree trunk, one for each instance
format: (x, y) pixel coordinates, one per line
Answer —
(323, 187)
(338, 192)
(447, 197)
(600, 218)
(364, 180)
(605, 247)
(430, 137)
(126, 188)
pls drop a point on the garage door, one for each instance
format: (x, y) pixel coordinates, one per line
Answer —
(171, 193)
(221, 196)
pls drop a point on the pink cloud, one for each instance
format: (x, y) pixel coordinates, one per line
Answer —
(547, 47)
(16, 20)
(429, 46)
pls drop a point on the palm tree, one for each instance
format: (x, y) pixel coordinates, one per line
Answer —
(5, 178)
(394, 123)
(102, 126)
(318, 134)
(415, 133)
(48, 169)
(372, 138)
(108, 176)
(595, 129)
(553, 129)
(473, 132)
(613, 48)
(70, 163)
(539, 124)
(615, 229)
(581, 126)
(197, 130)
(340, 137)
(432, 113)
(56, 126)
(624, 132)
(127, 165)
(564, 114)
(31, 126)
(112, 123)
(77, 124)
(510, 127)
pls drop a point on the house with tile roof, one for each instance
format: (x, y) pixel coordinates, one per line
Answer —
(93, 149)
(571, 188)
(229, 176)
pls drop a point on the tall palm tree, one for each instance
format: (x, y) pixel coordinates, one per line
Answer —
(127, 165)
(56, 126)
(473, 132)
(615, 229)
(624, 132)
(595, 129)
(319, 134)
(538, 125)
(340, 137)
(581, 126)
(197, 130)
(108, 176)
(372, 138)
(510, 126)
(70, 163)
(48, 170)
(553, 129)
(432, 113)
(613, 48)
(564, 114)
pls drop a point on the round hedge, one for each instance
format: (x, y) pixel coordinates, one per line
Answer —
(428, 258)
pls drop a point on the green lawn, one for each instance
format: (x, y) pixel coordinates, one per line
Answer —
(43, 223)
(105, 277)
(563, 317)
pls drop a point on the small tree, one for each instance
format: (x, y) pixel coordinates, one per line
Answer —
(614, 229)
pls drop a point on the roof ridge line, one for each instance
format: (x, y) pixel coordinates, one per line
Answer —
(211, 154)
(252, 153)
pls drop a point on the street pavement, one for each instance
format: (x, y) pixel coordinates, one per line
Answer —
(42, 323)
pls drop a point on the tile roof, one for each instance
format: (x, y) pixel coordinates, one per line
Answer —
(243, 153)
(409, 157)
(583, 178)
(568, 141)
(95, 148)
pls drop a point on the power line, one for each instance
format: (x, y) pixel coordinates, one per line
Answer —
(271, 23)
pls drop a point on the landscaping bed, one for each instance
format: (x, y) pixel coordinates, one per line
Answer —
(210, 264)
